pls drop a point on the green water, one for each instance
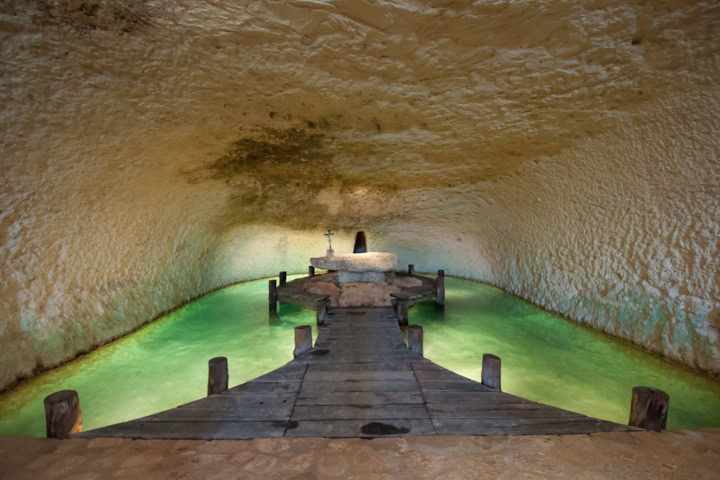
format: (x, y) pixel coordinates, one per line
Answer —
(545, 358)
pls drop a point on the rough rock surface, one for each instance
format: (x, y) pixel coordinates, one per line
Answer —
(326, 288)
(153, 151)
(358, 262)
(641, 455)
(404, 282)
(363, 294)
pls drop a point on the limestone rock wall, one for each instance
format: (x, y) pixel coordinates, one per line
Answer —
(154, 151)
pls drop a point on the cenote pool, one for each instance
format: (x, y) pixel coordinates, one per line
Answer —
(545, 358)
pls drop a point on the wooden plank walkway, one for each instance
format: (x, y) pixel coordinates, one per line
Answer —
(359, 380)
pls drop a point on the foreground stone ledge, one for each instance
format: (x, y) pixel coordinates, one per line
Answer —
(679, 454)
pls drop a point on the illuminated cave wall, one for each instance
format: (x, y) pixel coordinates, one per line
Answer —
(154, 151)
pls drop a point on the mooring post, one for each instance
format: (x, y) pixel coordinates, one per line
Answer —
(272, 295)
(440, 289)
(322, 314)
(649, 408)
(311, 271)
(217, 375)
(303, 340)
(411, 269)
(490, 376)
(283, 278)
(401, 311)
(62, 414)
(415, 339)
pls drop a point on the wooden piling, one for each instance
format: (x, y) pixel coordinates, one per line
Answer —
(490, 376)
(649, 408)
(311, 271)
(283, 278)
(411, 269)
(217, 375)
(63, 416)
(440, 289)
(303, 340)
(401, 310)
(415, 339)
(321, 313)
(273, 295)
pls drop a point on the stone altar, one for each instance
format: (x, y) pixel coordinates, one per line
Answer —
(358, 267)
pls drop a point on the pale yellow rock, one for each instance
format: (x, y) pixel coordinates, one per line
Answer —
(358, 262)
(405, 282)
(326, 288)
(364, 294)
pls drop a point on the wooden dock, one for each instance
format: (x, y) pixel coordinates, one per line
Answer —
(359, 380)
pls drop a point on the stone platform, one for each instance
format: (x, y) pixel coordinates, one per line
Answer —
(358, 267)
(307, 291)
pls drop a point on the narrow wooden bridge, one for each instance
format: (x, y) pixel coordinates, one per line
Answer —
(358, 380)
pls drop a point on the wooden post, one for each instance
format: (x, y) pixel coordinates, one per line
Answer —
(311, 271)
(490, 376)
(649, 408)
(411, 269)
(415, 339)
(283, 278)
(62, 414)
(303, 340)
(272, 295)
(322, 314)
(401, 311)
(440, 290)
(217, 375)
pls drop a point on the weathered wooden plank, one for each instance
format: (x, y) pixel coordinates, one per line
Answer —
(339, 357)
(191, 430)
(361, 386)
(472, 397)
(361, 428)
(452, 386)
(353, 412)
(288, 373)
(355, 367)
(526, 426)
(237, 413)
(266, 387)
(359, 398)
(439, 375)
(426, 365)
(339, 376)
(240, 399)
(497, 410)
